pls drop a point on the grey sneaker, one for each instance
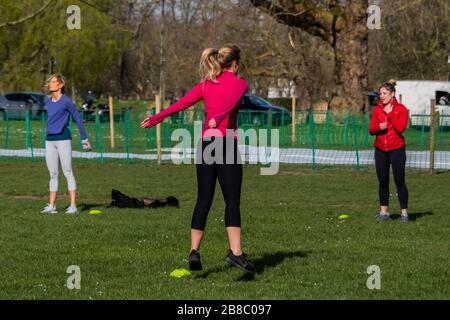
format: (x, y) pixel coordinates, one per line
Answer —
(404, 218)
(383, 216)
(71, 210)
(240, 262)
(49, 209)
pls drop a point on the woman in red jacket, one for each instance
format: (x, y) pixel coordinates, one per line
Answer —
(389, 121)
(221, 90)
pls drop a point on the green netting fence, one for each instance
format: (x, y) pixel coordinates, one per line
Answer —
(317, 138)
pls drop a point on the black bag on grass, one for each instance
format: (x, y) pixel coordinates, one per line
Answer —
(121, 200)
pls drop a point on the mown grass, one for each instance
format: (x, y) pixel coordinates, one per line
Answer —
(290, 231)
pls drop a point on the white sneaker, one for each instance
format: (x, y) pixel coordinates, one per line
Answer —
(71, 210)
(49, 209)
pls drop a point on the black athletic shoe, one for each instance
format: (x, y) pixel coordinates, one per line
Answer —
(240, 262)
(194, 261)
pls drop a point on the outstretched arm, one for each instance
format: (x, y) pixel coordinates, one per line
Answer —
(191, 98)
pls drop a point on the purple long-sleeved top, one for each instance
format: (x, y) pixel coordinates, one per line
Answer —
(58, 116)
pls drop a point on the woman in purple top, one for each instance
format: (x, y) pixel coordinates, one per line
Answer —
(58, 144)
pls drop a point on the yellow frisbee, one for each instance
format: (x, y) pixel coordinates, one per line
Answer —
(179, 273)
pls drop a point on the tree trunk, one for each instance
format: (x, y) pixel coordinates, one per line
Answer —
(350, 49)
(344, 27)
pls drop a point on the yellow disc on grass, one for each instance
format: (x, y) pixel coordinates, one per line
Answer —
(179, 273)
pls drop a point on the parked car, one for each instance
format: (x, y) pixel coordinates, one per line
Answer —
(255, 111)
(13, 109)
(35, 101)
(374, 98)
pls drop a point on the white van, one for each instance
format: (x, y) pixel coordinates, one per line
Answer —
(416, 96)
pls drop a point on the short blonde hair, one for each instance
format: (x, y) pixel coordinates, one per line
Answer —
(60, 78)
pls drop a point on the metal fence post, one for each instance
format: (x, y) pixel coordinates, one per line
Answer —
(434, 115)
(293, 121)
(6, 129)
(355, 137)
(313, 146)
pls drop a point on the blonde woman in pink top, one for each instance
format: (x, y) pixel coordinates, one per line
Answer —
(217, 152)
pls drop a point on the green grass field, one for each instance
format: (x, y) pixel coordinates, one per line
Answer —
(290, 231)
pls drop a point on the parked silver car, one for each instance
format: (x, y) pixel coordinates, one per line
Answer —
(33, 101)
(13, 109)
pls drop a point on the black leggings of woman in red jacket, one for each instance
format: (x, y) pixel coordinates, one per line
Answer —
(389, 121)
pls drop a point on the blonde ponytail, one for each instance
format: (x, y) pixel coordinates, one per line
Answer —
(213, 61)
(210, 67)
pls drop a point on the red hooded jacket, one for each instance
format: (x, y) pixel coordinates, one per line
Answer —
(397, 121)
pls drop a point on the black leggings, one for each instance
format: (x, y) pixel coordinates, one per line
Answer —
(225, 167)
(383, 160)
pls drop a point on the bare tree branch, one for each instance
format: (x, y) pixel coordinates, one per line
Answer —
(89, 4)
(31, 16)
(269, 73)
(305, 15)
(291, 41)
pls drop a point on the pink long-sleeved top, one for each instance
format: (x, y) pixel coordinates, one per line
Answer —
(221, 98)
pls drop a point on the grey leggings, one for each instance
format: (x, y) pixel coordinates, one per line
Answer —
(55, 151)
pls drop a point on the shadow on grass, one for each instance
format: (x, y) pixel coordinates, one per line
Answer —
(269, 260)
(89, 206)
(412, 216)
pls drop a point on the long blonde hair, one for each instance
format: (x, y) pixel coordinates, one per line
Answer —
(213, 61)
